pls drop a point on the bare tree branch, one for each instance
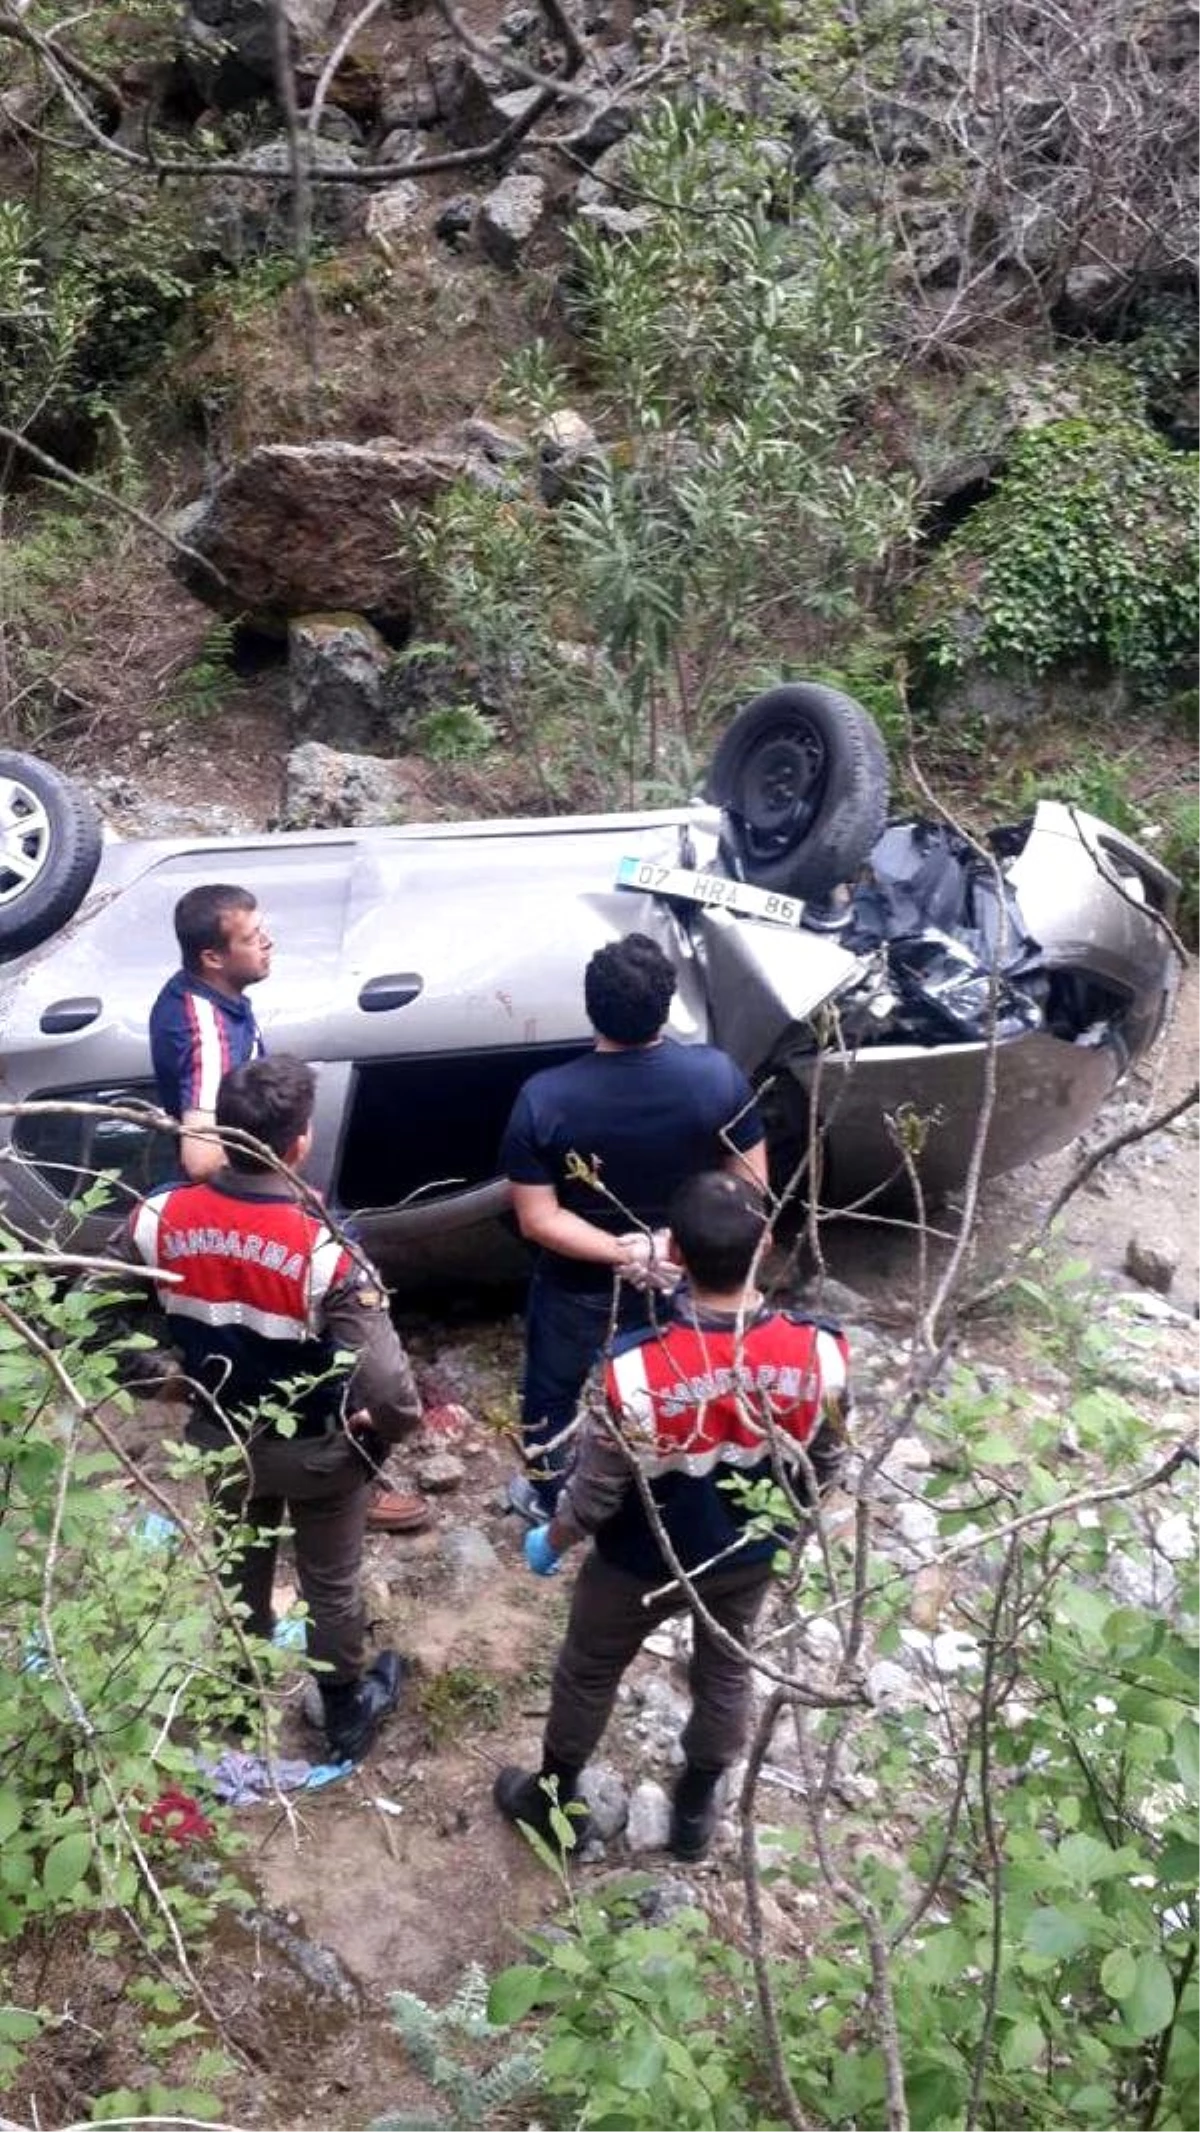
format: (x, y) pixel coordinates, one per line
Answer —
(112, 502)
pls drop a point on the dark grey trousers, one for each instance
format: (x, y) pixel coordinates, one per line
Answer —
(607, 1628)
(324, 1484)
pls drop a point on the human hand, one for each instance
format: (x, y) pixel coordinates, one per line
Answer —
(645, 1265)
(541, 1558)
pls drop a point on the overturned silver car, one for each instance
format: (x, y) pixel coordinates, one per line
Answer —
(427, 970)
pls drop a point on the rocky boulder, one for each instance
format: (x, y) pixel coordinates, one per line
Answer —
(1017, 695)
(509, 217)
(1150, 1265)
(616, 222)
(648, 1819)
(323, 789)
(477, 98)
(229, 45)
(393, 212)
(336, 668)
(568, 452)
(245, 218)
(304, 528)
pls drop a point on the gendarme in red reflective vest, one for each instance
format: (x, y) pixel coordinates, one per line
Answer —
(255, 1272)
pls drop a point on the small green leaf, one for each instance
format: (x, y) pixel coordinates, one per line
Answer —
(1176, 1861)
(10, 1812)
(1023, 2046)
(944, 1956)
(1085, 1860)
(66, 1863)
(1185, 1747)
(1094, 2102)
(1151, 2003)
(1051, 1932)
(17, 2024)
(1118, 1973)
(512, 1994)
(996, 1450)
(642, 2062)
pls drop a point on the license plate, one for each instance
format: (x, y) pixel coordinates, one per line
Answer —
(713, 890)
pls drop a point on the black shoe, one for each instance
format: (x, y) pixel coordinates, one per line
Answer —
(694, 1813)
(354, 1710)
(518, 1794)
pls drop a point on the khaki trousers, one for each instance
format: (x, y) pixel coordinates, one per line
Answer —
(324, 1485)
(607, 1628)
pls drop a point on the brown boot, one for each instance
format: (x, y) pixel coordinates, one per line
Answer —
(389, 1511)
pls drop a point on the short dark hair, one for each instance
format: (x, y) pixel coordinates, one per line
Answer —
(272, 1099)
(628, 987)
(200, 918)
(717, 1221)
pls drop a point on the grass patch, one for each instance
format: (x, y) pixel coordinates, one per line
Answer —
(459, 1699)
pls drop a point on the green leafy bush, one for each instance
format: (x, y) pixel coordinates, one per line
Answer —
(116, 1657)
(644, 2022)
(1181, 851)
(727, 353)
(1083, 554)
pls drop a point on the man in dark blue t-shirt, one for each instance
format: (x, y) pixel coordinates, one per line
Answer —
(202, 1024)
(638, 1115)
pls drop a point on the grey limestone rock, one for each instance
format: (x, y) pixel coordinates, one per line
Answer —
(336, 668)
(665, 1898)
(649, 1820)
(892, 1688)
(229, 45)
(616, 221)
(395, 210)
(440, 1472)
(326, 789)
(245, 218)
(567, 448)
(1150, 1265)
(606, 1797)
(508, 218)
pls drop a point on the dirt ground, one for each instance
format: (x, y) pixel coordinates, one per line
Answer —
(408, 1899)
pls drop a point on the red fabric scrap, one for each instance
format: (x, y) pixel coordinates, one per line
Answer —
(176, 1815)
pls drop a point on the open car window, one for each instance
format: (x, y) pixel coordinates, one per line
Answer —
(70, 1149)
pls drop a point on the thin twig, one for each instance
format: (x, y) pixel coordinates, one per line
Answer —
(781, 2079)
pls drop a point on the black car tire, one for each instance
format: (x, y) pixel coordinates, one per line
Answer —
(802, 776)
(50, 844)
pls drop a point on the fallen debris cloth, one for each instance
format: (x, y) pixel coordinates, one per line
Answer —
(154, 1530)
(959, 953)
(239, 1778)
(177, 1815)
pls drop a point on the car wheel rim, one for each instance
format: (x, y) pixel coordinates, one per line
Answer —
(25, 838)
(782, 782)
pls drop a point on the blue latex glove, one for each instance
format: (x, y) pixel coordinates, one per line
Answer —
(539, 1554)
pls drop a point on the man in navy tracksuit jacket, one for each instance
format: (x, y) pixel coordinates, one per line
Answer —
(202, 1025)
(725, 1387)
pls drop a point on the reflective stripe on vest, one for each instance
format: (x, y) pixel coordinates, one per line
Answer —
(691, 1398)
